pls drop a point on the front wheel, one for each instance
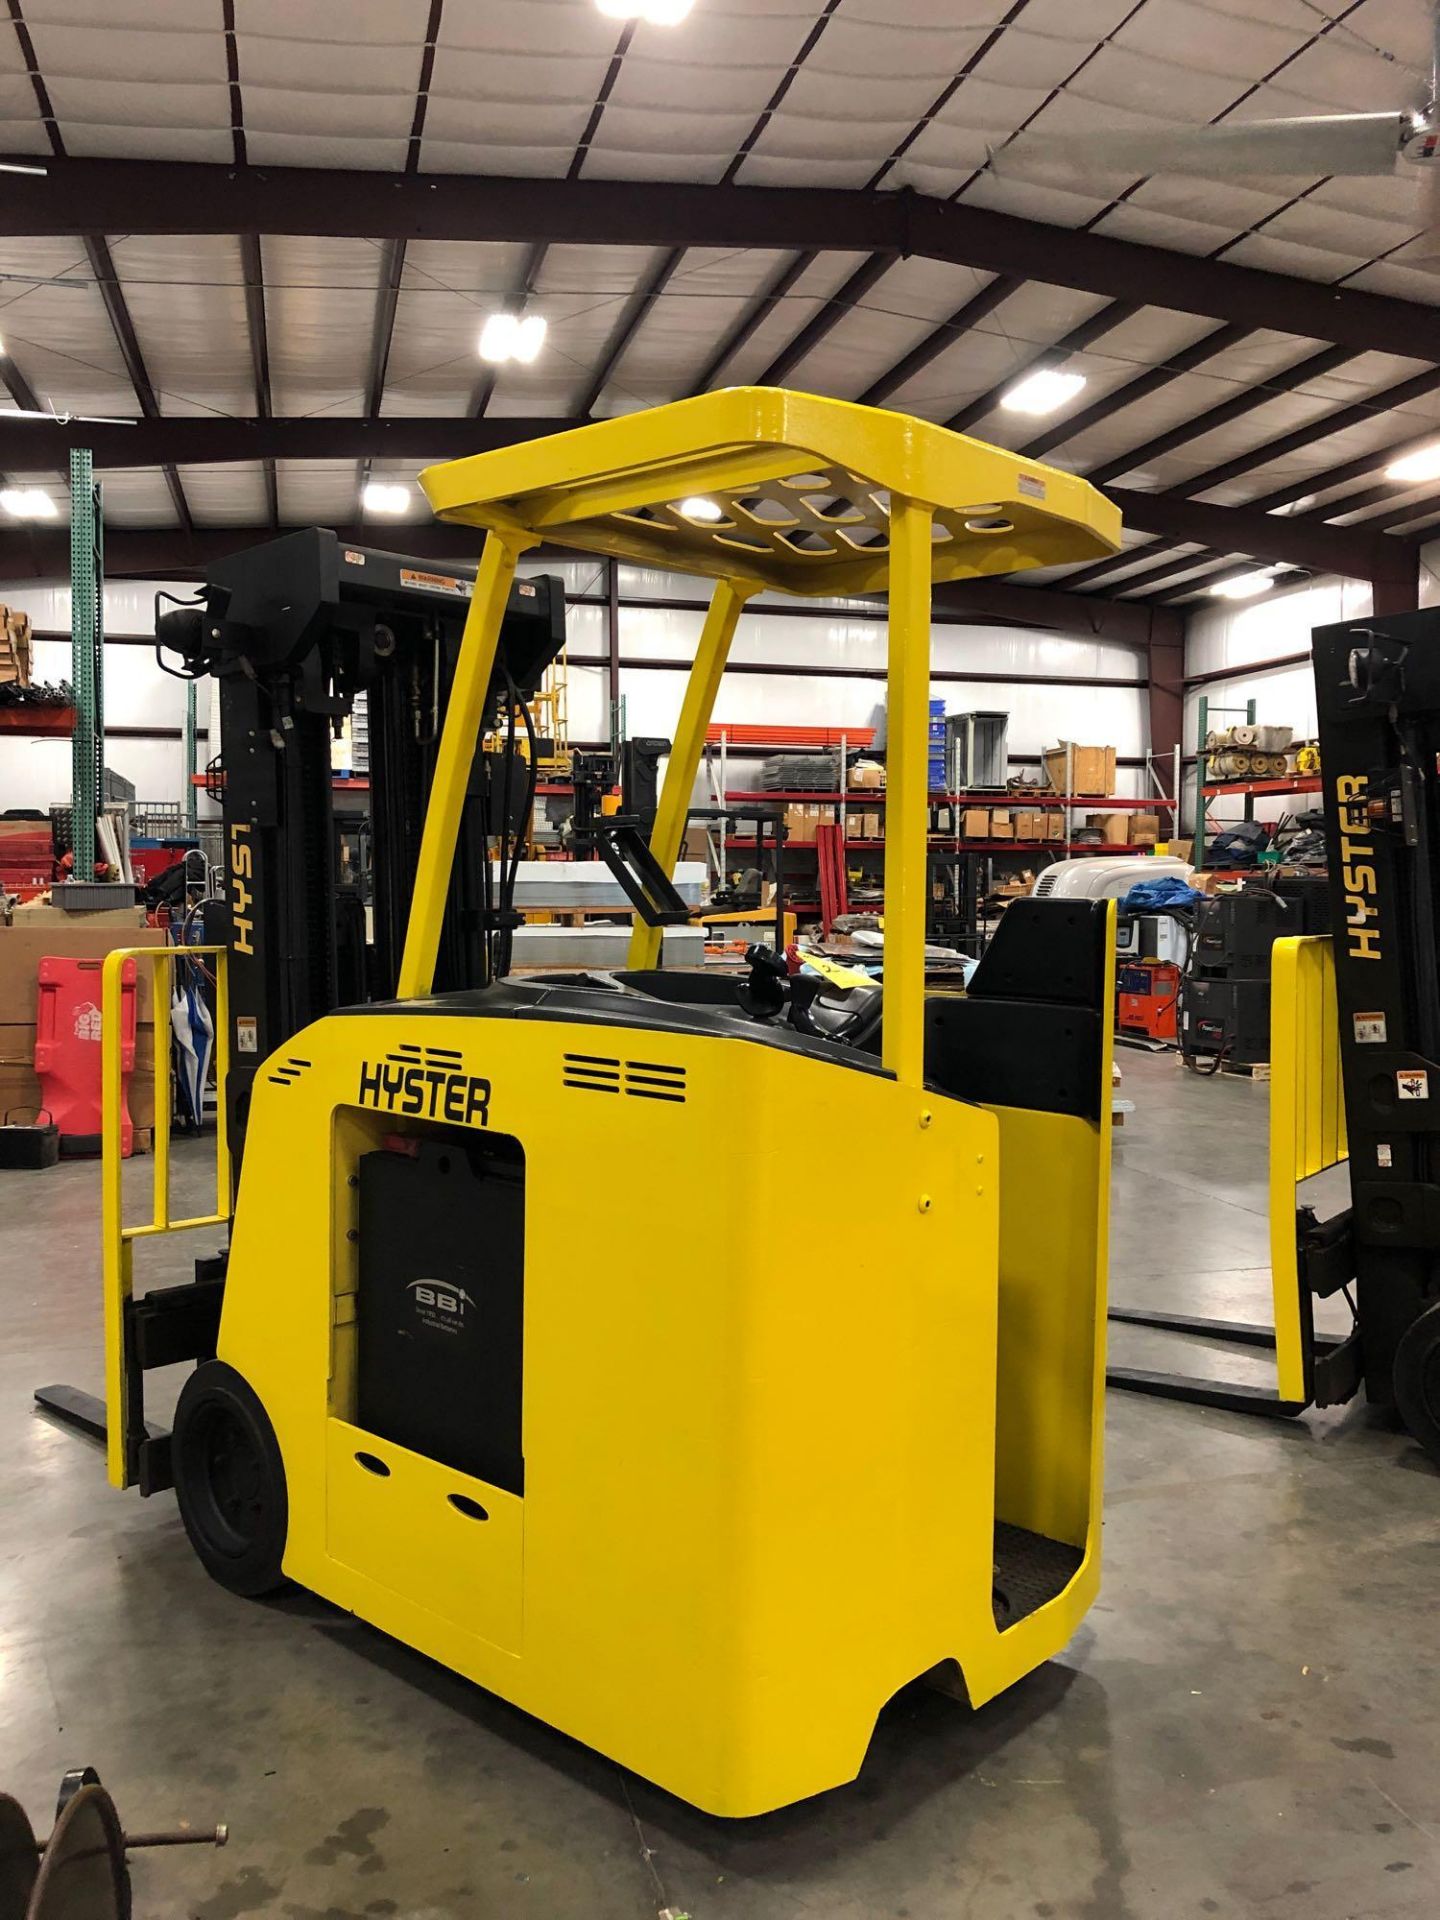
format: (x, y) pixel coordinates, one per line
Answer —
(1417, 1379)
(230, 1480)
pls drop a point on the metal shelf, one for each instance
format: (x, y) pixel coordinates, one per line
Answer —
(967, 846)
(1298, 783)
(40, 723)
(863, 797)
(341, 782)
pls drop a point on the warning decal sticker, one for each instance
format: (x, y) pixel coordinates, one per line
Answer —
(435, 582)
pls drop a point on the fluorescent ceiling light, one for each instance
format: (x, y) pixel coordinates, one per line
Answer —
(659, 13)
(1245, 586)
(505, 336)
(697, 507)
(28, 503)
(64, 419)
(21, 166)
(380, 498)
(1424, 465)
(1042, 392)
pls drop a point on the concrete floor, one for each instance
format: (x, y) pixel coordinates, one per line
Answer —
(1249, 1722)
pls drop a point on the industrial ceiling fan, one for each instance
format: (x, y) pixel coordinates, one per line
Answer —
(1403, 143)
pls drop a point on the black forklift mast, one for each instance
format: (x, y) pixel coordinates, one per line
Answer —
(1378, 689)
(293, 630)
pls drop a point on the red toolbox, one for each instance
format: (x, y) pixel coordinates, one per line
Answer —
(67, 1050)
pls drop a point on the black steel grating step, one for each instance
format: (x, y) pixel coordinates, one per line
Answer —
(1029, 1571)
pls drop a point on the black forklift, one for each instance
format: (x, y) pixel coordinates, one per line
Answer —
(294, 630)
(1378, 694)
(1378, 687)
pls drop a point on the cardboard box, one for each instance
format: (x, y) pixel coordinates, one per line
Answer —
(1092, 769)
(16, 647)
(867, 776)
(975, 823)
(1181, 849)
(1030, 826)
(38, 913)
(19, 1090)
(1144, 829)
(17, 1043)
(1114, 826)
(1002, 824)
(20, 1085)
(800, 825)
(1054, 824)
(22, 948)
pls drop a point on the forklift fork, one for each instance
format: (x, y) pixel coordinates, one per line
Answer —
(167, 1324)
(1308, 1258)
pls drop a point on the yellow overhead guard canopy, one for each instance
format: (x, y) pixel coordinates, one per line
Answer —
(789, 490)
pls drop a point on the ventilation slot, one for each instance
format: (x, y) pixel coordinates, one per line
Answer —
(648, 1081)
(589, 1072)
(642, 1079)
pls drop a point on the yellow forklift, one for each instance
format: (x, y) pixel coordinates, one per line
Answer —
(482, 1373)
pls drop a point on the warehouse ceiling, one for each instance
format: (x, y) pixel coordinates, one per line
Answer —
(771, 191)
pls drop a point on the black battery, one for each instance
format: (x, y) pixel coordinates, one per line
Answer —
(1229, 1017)
(1308, 896)
(441, 1296)
(1235, 933)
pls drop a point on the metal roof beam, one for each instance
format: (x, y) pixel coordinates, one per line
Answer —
(330, 437)
(1300, 439)
(103, 267)
(80, 197)
(1141, 388)
(1313, 367)
(749, 323)
(1204, 563)
(1050, 607)
(260, 355)
(632, 317)
(16, 385)
(1264, 536)
(834, 310)
(169, 553)
(976, 309)
(152, 442)
(1135, 563)
(1213, 575)
(382, 333)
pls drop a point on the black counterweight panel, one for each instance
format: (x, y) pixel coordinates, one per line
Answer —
(441, 1302)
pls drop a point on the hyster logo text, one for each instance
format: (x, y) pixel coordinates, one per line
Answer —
(425, 1089)
(1357, 866)
(242, 895)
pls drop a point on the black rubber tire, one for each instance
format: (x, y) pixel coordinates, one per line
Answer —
(1417, 1379)
(230, 1480)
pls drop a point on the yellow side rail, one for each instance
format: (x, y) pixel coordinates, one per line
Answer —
(1307, 1130)
(118, 1239)
(1307, 1135)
